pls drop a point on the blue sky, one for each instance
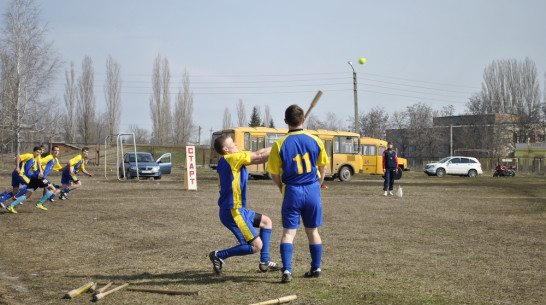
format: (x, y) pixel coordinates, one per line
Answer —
(278, 53)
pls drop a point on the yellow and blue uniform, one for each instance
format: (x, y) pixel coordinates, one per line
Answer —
(51, 163)
(233, 177)
(76, 165)
(296, 158)
(25, 171)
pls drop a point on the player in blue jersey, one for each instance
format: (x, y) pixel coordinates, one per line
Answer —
(390, 166)
(22, 173)
(69, 177)
(39, 180)
(301, 160)
(233, 213)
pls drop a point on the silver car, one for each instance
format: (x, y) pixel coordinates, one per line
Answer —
(457, 165)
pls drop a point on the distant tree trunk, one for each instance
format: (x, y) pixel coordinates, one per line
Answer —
(160, 106)
(142, 136)
(226, 122)
(241, 114)
(112, 95)
(268, 120)
(28, 64)
(86, 101)
(183, 113)
(70, 103)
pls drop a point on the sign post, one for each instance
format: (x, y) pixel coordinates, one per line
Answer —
(190, 178)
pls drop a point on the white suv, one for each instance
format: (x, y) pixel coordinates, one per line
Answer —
(457, 165)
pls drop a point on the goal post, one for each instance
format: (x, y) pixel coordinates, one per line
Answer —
(119, 154)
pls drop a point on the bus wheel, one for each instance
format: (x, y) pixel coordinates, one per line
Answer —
(398, 173)
(345, 173)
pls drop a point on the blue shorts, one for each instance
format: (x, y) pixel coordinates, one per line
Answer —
(241, 223)
(17, 180)
(66, 178)
(304, 201)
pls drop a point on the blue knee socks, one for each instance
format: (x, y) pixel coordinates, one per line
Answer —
(265, 236)
(316, 256)
(286, 256)
(235, 251)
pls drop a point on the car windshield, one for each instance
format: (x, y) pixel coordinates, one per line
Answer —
(444, 160)
(141, 158)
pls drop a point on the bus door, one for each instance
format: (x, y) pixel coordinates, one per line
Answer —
(369, 158)
(380, 151)
(257, 143)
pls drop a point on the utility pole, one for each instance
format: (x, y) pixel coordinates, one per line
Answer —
(199, 135)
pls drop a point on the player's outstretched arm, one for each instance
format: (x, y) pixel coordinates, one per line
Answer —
(260, 156)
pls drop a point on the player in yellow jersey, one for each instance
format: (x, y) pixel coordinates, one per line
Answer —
(69, 178)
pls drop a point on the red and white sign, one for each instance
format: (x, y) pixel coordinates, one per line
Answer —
(190, 179)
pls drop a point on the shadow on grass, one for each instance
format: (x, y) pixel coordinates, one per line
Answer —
(190, 277)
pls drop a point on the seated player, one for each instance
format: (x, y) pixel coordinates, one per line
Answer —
(233, 214)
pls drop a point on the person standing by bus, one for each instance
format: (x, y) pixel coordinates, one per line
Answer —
(297, 164)
(390, 166)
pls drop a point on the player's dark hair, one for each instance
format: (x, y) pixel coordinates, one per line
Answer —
(85, 149)
(36, 148)
(219, 144)
(55, 146)
(294, 115)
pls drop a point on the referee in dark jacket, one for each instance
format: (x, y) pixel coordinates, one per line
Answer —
(390, 166)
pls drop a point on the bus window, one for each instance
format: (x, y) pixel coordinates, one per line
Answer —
(261, 143)
(328, 147)
(368, 150)
(271, 138)
(254, 144)
(381, 150)
(346, 145)
(247, 140)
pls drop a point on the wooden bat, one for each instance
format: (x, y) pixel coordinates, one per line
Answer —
(99, 296)
(94, 287)
(73, 293)
(103, 289)
(313, 103)
(163, 291)
(280, 300)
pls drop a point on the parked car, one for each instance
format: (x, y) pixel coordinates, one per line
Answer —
(148, 167)
(457, 165)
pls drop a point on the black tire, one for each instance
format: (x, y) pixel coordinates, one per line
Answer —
(121, 173)
(440, 172)
(129, 176)
(345, 173)
(398, 174)
(157, 178)
(472, 173)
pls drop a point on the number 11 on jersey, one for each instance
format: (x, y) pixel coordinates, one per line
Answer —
(299, 159)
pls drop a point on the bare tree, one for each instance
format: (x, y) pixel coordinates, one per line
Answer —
(183, 113)
(448, 110)
(268, 120)
(160, 105)
(226, 122)
(112, 95)
(86, 101)
(510, 86)
(333, 122)
(28, 64)
(241, 114)
(70, 104)
(142, 136)
(420, 131)
(313, 122)
(374, 124)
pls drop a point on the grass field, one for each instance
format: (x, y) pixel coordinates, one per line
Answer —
(449, 240)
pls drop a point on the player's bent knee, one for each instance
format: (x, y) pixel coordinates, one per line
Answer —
(266, 222)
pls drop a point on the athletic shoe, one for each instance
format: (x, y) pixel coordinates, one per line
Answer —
(41, 207)
(11, 209)
(390, 193)
(63, 196)
(269, 266)
(51, 199)
(313, 273)
(2, 205)
(385, 193)
(286, 277)
(216, 262)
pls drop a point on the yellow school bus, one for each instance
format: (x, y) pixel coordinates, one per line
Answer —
(343, 148)
(371, 151)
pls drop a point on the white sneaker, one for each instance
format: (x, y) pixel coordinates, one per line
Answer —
(385, 193)
(390, 193)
